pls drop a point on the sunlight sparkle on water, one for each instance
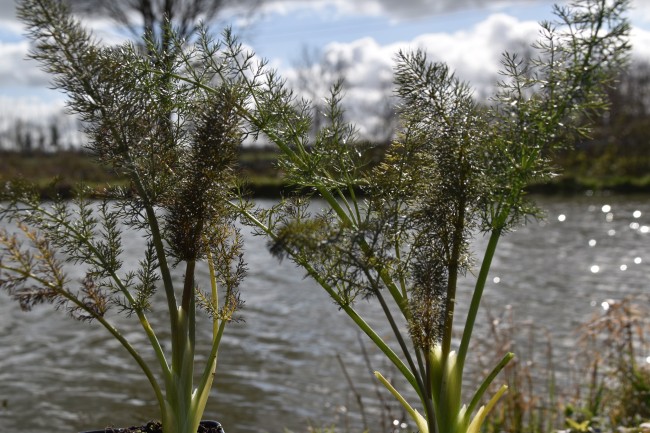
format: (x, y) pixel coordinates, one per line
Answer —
(595, 269)
(638, 260)
(611, 232)
(606, 208)
(644, 229)
(637, 214)
(647, 359)
(561, 217)
(634, 226)
(609, 217)
(605, 305)
(496, 280)
(398, 423)
(623, 267)
(592, 242)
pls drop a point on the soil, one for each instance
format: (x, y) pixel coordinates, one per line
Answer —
(156, 427)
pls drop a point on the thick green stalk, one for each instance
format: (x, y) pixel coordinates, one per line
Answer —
(218, 326)
(420, 421)
(200, 396)
(452, 281)
(490, 250)
(429, 403)
(179, 394)
(185, 323)
(159, 246)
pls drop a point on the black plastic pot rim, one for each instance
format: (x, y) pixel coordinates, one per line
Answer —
(208, 424)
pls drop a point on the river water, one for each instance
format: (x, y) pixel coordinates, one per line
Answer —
(280, 368)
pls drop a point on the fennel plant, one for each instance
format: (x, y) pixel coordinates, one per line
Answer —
(456, 169)
(177, 145)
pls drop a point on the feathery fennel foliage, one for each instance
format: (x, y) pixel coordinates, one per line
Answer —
(177, 144)
(456, 168)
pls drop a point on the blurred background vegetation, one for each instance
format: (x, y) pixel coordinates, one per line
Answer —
(615, 156)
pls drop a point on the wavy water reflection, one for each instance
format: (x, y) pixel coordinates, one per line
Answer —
(279, 368)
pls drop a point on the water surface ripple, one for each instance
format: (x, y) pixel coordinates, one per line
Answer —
(279, 368)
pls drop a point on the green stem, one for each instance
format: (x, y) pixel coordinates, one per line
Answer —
(452, 283)
(420, 421)
(386, 279)
(478, 395)
(362, 324)
(454, 258)
(421, 388)
(351, 312)
(431, 404)
(218, 326)
(478, 294)
(159, 246)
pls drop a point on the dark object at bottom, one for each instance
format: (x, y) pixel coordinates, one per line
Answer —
(156, 427)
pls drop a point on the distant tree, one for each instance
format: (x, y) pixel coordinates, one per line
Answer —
(22, 138)
(149, 16)
(316, 73)
(630, 99)
(40, 140)
(27, 142)
(623, 131)
(313, 79)
(147, 19)
(619, 146)
(55, 136)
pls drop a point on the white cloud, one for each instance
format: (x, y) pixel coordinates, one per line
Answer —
(640, 11)
(413, 9)
(7, 10)
(417, 8)
(24, 92)
(41, 111)
(367, 66)
(397, 10)
(16, 70)
(402, 9)
(640, 44)
(475, 54)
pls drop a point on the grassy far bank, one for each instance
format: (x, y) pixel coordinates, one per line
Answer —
(55, 173)
(60, 172)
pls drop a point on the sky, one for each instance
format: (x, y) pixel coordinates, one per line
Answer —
(363, 35)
